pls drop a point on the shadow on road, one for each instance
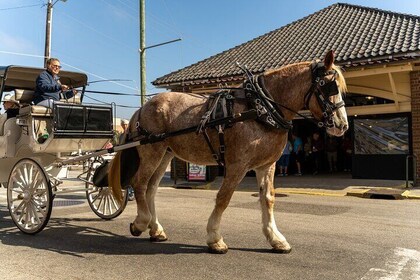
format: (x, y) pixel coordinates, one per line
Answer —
(62, 236)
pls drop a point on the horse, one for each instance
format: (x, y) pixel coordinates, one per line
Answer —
(250, 145)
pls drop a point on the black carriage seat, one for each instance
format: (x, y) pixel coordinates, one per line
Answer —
(25, 98)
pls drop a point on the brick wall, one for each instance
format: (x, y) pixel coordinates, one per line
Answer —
(415, 114)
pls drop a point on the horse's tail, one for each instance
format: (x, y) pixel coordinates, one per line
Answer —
(114, 177)
(127, 160)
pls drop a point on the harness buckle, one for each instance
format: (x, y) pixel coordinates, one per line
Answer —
(222, 149)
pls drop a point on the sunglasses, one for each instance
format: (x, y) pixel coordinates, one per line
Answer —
(56, 66)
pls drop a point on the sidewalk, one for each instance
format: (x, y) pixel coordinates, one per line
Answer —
(337, 184)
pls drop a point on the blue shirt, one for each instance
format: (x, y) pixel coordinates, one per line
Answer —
(48, 87)
(287, 149)
(296, 143)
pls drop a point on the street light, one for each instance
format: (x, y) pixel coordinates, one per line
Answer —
(47, 51)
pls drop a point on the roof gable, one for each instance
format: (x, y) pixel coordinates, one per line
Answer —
(357, 34)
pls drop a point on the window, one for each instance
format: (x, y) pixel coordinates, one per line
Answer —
(381, 136)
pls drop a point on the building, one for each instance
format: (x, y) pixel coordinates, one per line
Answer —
(380, 53)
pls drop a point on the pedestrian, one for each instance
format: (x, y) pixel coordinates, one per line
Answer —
(48, 86)
(317, 151)
(124, 126)
(298, 153)
(347, 150)
(283, 162)
(331, 150)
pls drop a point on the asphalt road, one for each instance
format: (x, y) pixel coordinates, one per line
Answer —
(332, 238)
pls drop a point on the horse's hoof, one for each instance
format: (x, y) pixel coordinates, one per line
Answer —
(158, 238)
(282, 251)
(134, 231)
(217, 251)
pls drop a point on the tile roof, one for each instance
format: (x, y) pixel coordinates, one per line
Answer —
(359, 35)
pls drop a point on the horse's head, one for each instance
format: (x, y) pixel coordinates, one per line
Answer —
(325, 100)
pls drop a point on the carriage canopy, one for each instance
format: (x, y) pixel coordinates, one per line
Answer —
(22, 77)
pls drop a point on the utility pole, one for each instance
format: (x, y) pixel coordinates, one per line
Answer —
(47, 51)
(143, 49)
(142, 52)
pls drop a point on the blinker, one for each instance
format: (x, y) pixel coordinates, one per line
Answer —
(330, 89)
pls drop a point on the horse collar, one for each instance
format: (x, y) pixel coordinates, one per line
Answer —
(260, 99)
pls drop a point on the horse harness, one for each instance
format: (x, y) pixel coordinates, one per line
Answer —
(262, 108)
(323, 90)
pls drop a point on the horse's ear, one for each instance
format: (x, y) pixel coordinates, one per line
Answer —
(329, 59)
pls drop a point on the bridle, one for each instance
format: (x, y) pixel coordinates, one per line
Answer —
(323, 89)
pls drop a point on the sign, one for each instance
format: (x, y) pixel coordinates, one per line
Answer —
(196, 172)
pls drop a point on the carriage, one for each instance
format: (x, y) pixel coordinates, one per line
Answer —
(38, 142)
(257, 117)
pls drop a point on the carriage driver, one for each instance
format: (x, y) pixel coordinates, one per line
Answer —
(48, 86)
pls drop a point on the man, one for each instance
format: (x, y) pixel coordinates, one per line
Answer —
(124, 125)
(317, 151)
(298, 153)
(10, 105)
(48, 86)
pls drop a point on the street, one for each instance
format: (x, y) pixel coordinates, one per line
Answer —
(331, 238)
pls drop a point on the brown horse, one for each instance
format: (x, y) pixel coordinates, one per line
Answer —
(250, 145)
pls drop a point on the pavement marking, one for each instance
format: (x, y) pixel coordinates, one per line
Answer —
(404, 264)
(408, 194)
(310, 192)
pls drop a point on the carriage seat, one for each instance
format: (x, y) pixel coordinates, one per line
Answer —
(25, 98)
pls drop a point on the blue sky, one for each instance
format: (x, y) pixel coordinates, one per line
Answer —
(101, 37)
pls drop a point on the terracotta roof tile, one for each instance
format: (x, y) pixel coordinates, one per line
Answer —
(359, 35)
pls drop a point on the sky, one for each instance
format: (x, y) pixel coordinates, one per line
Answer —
(101, 37)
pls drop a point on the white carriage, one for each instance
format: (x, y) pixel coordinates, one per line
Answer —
(36, 143)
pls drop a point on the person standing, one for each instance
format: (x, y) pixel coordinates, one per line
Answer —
(317, 151)
(331, 149)
(298, 153)
(283, 162)
(48, 86)
(124, 126)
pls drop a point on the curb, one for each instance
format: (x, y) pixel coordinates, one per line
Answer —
(370, 193)
(310, 192)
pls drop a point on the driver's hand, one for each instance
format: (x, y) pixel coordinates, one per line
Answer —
(64, 87)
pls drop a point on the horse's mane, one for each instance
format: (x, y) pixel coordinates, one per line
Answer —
(342, 86)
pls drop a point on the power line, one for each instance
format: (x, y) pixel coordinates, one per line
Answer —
(71, 66)
(102, 102)
(20, 7)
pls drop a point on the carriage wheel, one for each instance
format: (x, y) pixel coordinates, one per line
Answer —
(29, 196)
(102, 201)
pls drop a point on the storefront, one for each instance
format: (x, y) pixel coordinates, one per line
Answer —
(380, 53)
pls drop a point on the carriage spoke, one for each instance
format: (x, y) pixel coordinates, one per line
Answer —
(114, 202)
(35, 214)
(21, 205)
(109, 204)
